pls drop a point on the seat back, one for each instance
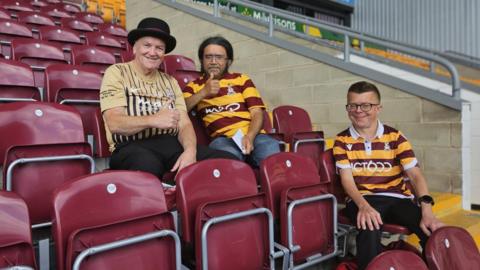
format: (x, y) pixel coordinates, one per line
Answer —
(16, 82)
(64, 37)
(15, 236)
(452, 248)
(27, 123)
(328, 174)
(126, 56)
(56, 13)
(119, 205)
(70, 8)
(92, 18)
(209, 181)
(398, 260)
(105, 41)
(291, 119)
(15, 6)
(92, 56)
(79, 26)
(35, 20)
(112, 29)
(199, 128)
(172, 62)
(4, 14)
(38, 54)
(10, 29)
(183, 77)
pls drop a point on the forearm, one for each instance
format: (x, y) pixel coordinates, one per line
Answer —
(119, 123)
(351, 189)
(256, 123)
(193, 100)
(186, 134)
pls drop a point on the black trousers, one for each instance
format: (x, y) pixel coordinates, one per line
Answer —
(157, 155)
(392, 210)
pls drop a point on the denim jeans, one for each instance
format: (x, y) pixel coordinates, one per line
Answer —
(263, 146)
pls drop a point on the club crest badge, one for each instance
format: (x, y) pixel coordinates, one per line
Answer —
(349, 146)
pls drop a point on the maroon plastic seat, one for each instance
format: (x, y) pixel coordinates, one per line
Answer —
(173, 62)
(114, 207)
(64, 37)
(77, 25)
(303, 206)
(15, 236)
(199, 128)
(15, 6)
(35, 20)
(39, 54)
(16, 82)
(42, 145)
(56, 13)
(452, 248)
(209, 193)
(295, 125)
(113, 29)
(70, 8)
(79, 86)
(10, 29)
(183, 77)
(397, 260)
(4, 14)
(107, 42)
(37, 4)
(126, 56)
(93, 56)
(92, 18)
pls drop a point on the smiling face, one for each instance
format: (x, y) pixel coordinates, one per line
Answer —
(215, 60)
(149, 52)
(363, 120)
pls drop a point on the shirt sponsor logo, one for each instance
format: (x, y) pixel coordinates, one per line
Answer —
(230, 107)
(371, 166)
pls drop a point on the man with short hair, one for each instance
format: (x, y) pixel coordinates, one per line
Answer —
(229, 104)
(374, 160)
(146, 121)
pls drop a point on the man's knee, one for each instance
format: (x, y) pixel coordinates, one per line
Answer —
(137, 159)
(227, 145)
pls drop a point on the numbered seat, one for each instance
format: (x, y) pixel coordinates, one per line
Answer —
(10, 29)
(93, 56)
(17, 83)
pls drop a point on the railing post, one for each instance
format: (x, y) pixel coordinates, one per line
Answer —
(346, 50)
(270, 25)
(215, 8)
(432, 67)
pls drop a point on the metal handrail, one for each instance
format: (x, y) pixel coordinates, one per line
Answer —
(348, 34)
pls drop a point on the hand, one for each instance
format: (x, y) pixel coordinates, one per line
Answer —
(247, 144)
(212, 87)
(430, 223)
(185, 159)
(368, 217)
(166, 118)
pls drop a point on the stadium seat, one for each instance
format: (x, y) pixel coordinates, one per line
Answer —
(37, 4)
(56, 13)
(10, 29)
(452, 248)
(303, 206)
(101, 147)
(397, 260)
(77, 86)
(77, 25)
(295, 125)
(93, 56)
(70, 8)
(202, 137)
(112, 29)
(39, 54)
(4, 14)
(34, 20)
(223, 217)
(15, 236)
(92, 18)
(17, 83)
(64, 37)
(183, 77)
(114, 220)
(107, 42)
(126, 56)
(173, 62)
(42, 145)
(15, 6)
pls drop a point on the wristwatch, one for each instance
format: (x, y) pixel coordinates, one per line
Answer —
(426, 199)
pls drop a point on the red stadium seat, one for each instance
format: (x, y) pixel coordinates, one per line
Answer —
(114, 30)
(16, 82)
(126, 56)
(37, 4)
(78, 86)
(101, 147)
(305, 209)
(77, 25)
(92, 18)
(39, 54)
(397, 260)
(15, 236)
(70, 8)
(223, 216)
(92, 56)
(9, 30)
(114, 220)
(183, 77)
(172, 63)
(4, 14)
(56, 13)
(64, 37)
(15, 6)
(295, 125)
(107, 42)
(199, 128)
(452, 248)
(35, 20)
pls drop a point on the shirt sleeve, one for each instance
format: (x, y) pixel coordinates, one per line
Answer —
(404, 153)
(179, 97)
(340, 154)
(112, 90)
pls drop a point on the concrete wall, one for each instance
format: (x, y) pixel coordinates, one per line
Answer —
(286, 78)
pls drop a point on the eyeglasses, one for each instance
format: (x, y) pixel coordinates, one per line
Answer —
(217, 57)
(365, 107)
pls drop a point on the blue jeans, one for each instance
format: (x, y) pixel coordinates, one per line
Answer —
(263, 146)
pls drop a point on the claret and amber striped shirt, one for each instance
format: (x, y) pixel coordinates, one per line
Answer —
(377, 166)
(229, 111)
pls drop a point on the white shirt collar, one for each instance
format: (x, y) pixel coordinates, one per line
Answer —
(355, 135)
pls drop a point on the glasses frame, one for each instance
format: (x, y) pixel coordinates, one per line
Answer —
(364, 107)
(215, 57)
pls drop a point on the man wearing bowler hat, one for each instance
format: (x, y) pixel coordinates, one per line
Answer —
(146, 120)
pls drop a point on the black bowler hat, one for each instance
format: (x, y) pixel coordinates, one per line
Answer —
(153, 27)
